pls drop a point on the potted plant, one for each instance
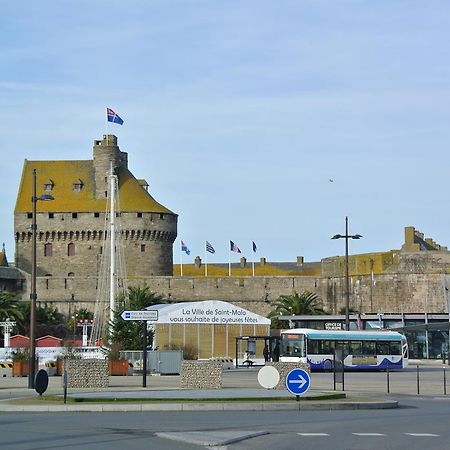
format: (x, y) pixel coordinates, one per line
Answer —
(20, 359)
(117, 366)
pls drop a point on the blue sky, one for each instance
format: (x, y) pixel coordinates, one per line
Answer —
(239, 112)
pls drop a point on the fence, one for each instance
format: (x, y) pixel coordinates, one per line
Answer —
(160, 362)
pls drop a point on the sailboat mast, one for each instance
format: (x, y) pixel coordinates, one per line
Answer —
(112, 235)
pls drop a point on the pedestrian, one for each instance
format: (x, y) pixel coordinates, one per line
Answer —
(266, 353)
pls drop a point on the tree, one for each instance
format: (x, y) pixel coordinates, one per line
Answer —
(304, 304)
(10, 307)
(129, 334)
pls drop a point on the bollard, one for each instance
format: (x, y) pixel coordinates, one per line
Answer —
(445, 382)
(418, 381)
(387, 380)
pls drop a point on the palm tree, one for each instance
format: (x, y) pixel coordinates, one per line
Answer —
(304, 304)
(10, 308)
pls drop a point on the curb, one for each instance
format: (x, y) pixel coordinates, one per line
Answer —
(189, 407)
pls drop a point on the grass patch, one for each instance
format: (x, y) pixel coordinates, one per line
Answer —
(55, 399)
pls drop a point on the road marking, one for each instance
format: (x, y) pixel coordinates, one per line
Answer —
(313, 434)
(369, 434)
(423, 434)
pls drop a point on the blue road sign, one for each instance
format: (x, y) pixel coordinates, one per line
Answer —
(298, 381)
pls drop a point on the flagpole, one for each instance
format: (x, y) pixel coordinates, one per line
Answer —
(229, 259)
(181, 260)
(206, 262)
(253, 261)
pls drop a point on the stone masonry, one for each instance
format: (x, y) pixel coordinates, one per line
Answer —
(201, 374)
(87, 373)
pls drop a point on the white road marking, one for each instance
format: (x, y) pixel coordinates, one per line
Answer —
(423, 434)
(313, 434)
(369, 434)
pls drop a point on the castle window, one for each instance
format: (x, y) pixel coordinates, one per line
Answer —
(74, 215)
(51, 215)
(70, 274)
(46, 281)
(139, 214)
(106, 193)
(101, 249)
(48, 186)
(48, 249)
(71, 249)
(29, 215)
(78, 185)
(97, 214)
(142, 248)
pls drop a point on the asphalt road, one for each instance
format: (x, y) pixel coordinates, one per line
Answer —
(422, 422)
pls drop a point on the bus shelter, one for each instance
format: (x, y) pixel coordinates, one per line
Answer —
(206, 329)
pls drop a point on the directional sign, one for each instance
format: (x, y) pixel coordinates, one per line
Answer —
(149, 316)
(298, 381)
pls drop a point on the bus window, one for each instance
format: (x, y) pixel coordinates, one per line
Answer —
(313, 347)
(368, 348)
(382, 348)
(355, 347)
(327, 347)
(293, 345)
(395, 348)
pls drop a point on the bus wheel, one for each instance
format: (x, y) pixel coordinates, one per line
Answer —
(328, 365)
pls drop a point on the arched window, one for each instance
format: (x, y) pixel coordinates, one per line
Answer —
(71, 249)
(48, 249)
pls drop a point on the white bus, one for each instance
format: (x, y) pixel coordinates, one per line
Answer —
(377, 350)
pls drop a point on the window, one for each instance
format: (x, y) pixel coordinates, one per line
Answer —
(355, 347)
(96, 214)
(313, 347)
(139, 214)
(48, 186)
(106, 194)
(48, 249)
(327, 347)
(74, 215)
(368, 348)
(161, 216)
(71, 249)
(29, 215)
(51, 215)
(142, 248)
(101, 249)
(78, 185)
(382, 348)
(395, 348)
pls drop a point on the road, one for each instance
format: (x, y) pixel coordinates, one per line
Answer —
(422, 422)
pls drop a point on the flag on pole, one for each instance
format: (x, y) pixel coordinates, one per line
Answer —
(184, 248)
(254, 247)
(113, 117)
(234, 247)
(209, 248)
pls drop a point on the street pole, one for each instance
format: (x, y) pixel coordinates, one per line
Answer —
(347, 280)
(33, 294)
(347, 277)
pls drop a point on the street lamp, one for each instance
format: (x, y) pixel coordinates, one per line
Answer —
(33, 294)
(347, 236)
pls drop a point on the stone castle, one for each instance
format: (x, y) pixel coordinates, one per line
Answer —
(70, 233)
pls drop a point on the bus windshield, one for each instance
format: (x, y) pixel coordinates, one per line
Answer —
(293, 345)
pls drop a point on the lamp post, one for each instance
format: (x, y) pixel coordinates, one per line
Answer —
(347, 236)
(33, 294)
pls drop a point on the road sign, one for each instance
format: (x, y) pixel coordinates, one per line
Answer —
(149, 316)
(268, 377)
(298, 381)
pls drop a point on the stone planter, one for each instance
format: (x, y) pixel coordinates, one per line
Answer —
(118, 367)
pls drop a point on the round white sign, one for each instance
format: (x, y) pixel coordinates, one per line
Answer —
(268, 377)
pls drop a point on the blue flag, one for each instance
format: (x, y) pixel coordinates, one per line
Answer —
(254, 246)
(184, 248)
(113, 117)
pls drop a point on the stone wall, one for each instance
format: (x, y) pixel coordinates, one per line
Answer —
(201, 374)
(284, 368)
(87, 373)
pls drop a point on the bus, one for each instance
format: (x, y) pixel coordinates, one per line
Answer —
(362, 350)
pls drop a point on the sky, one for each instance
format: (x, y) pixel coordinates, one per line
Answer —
(256, 120)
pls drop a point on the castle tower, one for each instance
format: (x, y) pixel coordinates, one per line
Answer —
(71, 228)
